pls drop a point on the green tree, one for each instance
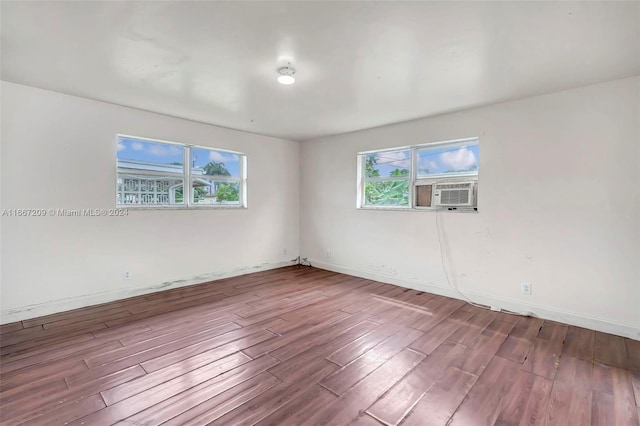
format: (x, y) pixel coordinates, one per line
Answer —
(385, 192)
(198, 194)
(370, 163)
(215, 168)
(227, 192)
(223, 191)
(399, 172)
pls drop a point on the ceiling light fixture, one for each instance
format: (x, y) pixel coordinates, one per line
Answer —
(286, 75)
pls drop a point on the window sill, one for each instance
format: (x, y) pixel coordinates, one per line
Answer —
(135, 207)
(422, 209)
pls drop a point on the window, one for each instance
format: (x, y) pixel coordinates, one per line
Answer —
(215, 177)
(154, 173)
(456, 159)
(386, 178)
(426, 177)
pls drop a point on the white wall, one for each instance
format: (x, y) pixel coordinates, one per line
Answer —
(58, 151)
(559, 207)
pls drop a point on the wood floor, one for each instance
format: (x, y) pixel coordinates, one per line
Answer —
(300, 345)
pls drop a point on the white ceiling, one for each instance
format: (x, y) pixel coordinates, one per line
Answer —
(359, 64)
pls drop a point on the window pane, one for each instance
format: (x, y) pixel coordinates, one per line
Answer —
(448, 160)
(211, 191)
(387, 193)
(140, 154)
(210, 162)
(388, 163)
(149, 190)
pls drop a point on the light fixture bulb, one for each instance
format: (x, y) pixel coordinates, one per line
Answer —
(286, 79)
(286, 75)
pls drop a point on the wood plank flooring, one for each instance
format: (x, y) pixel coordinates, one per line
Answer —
(304, 346)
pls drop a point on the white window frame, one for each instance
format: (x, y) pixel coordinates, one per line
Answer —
(363, 179)
(414, 180)
(186, 175)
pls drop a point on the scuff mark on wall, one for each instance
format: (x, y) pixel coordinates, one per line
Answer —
(69, 303)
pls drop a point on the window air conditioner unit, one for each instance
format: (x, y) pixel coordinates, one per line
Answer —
(454, 194)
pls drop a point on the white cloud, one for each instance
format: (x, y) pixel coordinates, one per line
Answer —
(399, 159)
(460, 159)
(137, 146)
(221, 157)
(121, 146)
(164, 151)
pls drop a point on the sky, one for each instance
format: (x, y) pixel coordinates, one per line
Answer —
(164, 153)
(430, 160)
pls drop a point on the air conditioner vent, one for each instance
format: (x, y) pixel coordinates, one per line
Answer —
(454, 194)
(453, 185)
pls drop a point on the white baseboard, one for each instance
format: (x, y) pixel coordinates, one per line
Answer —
(61, 305)
(553, 314)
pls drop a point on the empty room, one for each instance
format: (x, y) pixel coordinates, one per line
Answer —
(320, 213)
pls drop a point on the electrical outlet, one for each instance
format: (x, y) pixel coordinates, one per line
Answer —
(328, 254)
(525, 288)
(126, 275)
